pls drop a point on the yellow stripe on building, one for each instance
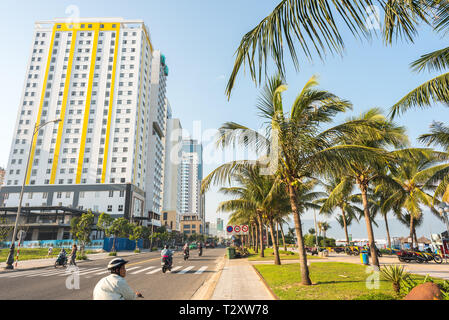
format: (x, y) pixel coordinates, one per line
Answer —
(41, 103)
(96, 30)
(64, 106)
(111, 101)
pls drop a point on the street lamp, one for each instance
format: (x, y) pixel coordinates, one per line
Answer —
(443, 209)
(10, 259)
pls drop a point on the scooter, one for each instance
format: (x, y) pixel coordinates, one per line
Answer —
(166, 263)
(186, 255)
(61, 260)
(200, 253)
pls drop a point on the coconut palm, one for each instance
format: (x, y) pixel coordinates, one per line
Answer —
(260, 195)
(296, 144)
(409, 185)
(339, 196)
(365, 173)
(314, 24)
(325, 226)
(436, 89)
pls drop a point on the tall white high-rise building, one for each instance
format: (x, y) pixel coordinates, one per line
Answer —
(172, 173)
(101, 77)
(192, 201)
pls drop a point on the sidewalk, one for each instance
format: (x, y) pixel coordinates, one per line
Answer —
(240, 281)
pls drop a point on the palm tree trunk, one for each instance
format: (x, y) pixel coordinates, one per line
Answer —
(388, 231)
(277, 260)
(416, 238)
(261, 236)
(256, 237)
(267, 242)
(277, 233)
(345, 226)
(283, 238)
(369, 226)
(305, 278)
(412, 227)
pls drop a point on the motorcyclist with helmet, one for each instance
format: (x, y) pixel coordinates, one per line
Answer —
(114, 286)
(167, 252)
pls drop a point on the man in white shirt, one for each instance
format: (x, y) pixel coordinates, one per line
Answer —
(114, 286)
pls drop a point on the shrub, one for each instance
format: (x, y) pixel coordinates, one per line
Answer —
(396, 274)
(81, 257)
(137, 251)
(113, 253)
(375, 296)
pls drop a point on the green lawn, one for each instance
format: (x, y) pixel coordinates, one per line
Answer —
(37, 253)
(269, 255)
(331, 281)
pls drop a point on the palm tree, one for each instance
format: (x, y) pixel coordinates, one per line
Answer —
(296, 145)
(434, 90)
(314, 24)
(377, 200)
(365, 173)
(339, 195)
(325, 226)
(408, 186)
(259, 194)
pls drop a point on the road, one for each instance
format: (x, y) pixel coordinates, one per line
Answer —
(143, 274)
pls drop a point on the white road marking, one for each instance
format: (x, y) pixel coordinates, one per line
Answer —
(154, 271)
(201, 270)
(175, 268)
(142, 270)
(186, 270)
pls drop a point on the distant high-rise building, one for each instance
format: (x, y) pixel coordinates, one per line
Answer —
(219, 224)
(102, 78)
(192, 201)
(2, 176)
(172, 174)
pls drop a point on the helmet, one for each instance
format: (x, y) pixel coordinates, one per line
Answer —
(116, 263)
(166, 246)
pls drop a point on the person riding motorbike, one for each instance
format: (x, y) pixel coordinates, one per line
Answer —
(167, 252)
(62, 256)
(114, 286)
(186, 249)
(200, 249)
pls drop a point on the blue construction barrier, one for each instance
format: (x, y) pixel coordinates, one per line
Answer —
(121, 244)
(67, 244)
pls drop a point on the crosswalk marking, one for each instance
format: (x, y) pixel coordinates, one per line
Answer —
(90, 272)
(186, 270)
(154, 271)
(142, 270)
(201, 270)
(175, 268)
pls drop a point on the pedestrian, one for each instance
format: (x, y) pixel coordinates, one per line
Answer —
(50, 251)
(73, 255)
(114, 286)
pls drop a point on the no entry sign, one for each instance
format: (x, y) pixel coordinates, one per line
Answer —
(237, 229)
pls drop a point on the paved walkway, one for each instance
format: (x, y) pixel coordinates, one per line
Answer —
(239, 281)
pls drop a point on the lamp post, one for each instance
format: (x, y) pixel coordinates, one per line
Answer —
(10, 259)
(443, 209)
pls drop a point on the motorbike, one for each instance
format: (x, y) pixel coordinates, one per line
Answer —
(200, 253)
(186, 255)
(61, 260)
(166, 263)
(409, 256)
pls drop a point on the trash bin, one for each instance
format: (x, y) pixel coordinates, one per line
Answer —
(230, 252)
(364, 257)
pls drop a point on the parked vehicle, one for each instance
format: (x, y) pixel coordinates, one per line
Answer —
(419, 257)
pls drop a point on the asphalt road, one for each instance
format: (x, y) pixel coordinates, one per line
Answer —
(143, 274)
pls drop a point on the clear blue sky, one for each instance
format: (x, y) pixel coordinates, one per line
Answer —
(199, 38)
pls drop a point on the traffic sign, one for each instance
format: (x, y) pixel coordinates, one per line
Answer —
(237, 229)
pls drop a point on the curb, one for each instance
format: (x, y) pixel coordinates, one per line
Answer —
(207, 289)
(275, 297)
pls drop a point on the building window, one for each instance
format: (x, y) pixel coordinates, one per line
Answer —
(109, 208)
